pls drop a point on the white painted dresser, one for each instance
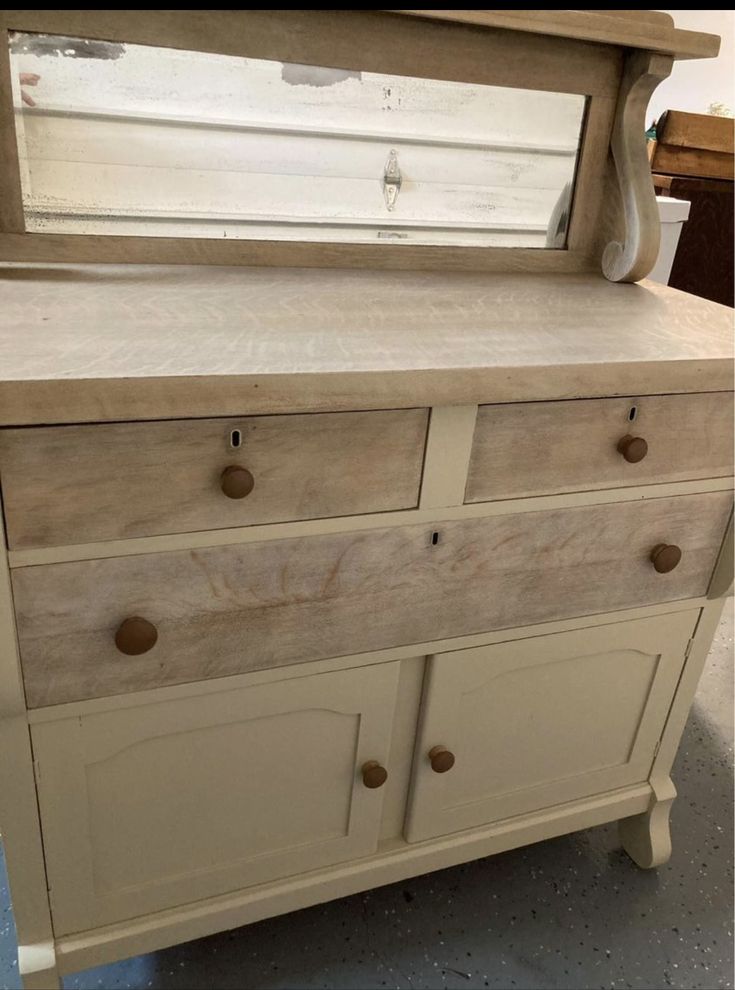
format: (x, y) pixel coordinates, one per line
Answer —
(316, 579)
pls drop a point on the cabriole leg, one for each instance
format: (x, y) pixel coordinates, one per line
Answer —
(646, 838)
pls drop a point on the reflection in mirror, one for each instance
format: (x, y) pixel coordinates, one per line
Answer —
(130, 139)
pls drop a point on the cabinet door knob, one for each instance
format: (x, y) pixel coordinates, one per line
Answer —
(373, 774)
(441, 759)
(665, 557)
(633, 449)
(236, 481)
(135, 636)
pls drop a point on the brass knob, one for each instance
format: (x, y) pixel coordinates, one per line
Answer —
(441, 759)
(373, 775)
(665, 557)
(633, 449)
(135, 636)
(236, 481)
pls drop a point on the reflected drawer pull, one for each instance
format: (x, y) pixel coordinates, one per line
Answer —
(373, 774)
(633, 449)
(441, 759)
(135, 636)
(236, 481)
(665, 557)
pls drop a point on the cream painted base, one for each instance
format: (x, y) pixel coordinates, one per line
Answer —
(647, 838)
(37, 966)
(395, 860)
(642, 808)
(622, 682)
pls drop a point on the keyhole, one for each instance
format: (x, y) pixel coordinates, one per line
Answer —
(632, 414)
(434, 539)
(235, 438)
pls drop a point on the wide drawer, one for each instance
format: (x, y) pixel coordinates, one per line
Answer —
(79, 484)
(536, 448)
(225, 610)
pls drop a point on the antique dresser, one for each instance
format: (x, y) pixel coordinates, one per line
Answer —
(327, 562)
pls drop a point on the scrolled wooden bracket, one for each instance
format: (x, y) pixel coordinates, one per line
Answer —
(634, 259)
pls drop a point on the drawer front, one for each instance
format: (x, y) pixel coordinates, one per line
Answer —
(160, 804)
(79, 484)
(538, 722)
(537, 448)
(226, 610)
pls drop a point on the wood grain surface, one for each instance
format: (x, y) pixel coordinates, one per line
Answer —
(634, 257)
(290, 601)
(534, 448)
(653, 30)
(86, 343)
(697, 162)
(696, 130)
(112, 481)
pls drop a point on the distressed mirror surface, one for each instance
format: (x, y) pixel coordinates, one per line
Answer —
(129, 139)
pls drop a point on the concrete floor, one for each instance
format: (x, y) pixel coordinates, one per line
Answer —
(570, 913)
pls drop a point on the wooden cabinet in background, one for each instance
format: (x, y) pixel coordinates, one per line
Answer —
(692, 159)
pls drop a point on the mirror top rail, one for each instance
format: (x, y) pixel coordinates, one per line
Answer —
(652, 30)
(612, 59)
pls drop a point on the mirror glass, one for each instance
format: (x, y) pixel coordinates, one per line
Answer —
(135, 140)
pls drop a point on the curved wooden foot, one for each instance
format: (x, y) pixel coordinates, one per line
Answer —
(646, 838)
(37, 966)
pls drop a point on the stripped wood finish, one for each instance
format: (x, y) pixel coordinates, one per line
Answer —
(100, 482)
(634, 258)
(523, 449)
(11, 204)
(226, 341)
(652, 30)
(291, 601)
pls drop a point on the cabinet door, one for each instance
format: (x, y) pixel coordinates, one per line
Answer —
(538, 722)
(160, 804)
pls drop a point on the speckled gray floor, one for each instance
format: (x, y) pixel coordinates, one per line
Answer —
(569, 913)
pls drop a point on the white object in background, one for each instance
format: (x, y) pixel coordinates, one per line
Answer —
(673, 213)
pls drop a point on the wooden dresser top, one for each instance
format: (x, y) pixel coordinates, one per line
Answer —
(85, 343)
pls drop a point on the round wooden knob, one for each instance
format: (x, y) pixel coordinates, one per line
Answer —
(136, 636)
(236, 481)
(633, 449)
(373, 775)
(665, 557)
(441, 759)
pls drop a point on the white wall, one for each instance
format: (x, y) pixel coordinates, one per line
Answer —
(695, 83)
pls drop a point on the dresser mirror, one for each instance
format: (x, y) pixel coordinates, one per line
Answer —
(137, 140)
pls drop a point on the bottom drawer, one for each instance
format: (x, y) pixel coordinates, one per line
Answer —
(230, 609)
(537, 722)
(160, 804)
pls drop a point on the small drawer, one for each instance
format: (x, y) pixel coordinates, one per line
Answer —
(543, 448)
(80, 484)
(102, 627)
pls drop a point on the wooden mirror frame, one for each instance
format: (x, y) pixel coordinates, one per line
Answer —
(614, 58)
